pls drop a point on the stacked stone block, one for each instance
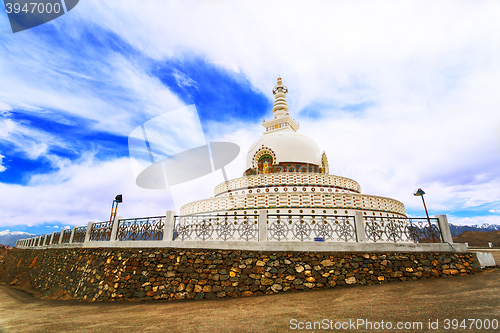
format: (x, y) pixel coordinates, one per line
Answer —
(125, 274)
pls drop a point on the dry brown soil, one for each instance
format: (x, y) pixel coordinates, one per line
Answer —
(479, 238)
(475, 296)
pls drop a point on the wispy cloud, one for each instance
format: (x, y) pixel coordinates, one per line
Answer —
(183, 80)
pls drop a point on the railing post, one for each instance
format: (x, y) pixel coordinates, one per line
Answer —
(61, 235)
(87, 235)
(360, 227)
(114, 228)
(52, 237)
(263, 225)
(444, 228)
(168, 228)
(72, 235)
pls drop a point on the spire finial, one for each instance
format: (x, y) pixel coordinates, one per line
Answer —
(280, 108)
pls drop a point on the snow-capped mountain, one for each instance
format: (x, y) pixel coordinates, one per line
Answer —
(458, 229)
(10, 237)
(487, 226)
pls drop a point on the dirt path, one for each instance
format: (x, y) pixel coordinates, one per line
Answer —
(475, 296)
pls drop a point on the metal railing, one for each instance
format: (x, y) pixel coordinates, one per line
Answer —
(391, 229)
(252, 227)
(79, 236)
(66, 236)
(213, 227)
(147, 228)
(101, 231)
(55, 238)
(311, 228)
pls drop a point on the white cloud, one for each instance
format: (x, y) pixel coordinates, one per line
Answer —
(34, 81)
(427, 71)
(79, 193)
(476, 220)
(4, 109)
(325, 51)
(16, 233)
(2, 167)
(183, 80)
(31, 142)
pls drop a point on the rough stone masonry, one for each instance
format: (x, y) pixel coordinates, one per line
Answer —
(142, 274)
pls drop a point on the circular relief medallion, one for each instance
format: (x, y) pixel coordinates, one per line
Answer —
(289, 211)
(329, 190)
(313, 189)
(322, 189)
(267, 190)
(301, 211)
(295, 189)
(249, 191)
(275, 189)
(285, 189)
(313, 211)
(258, 191)
(304, 189)
(324, 212)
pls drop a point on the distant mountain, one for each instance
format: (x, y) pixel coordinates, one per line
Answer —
(458, 229)
(10, 237)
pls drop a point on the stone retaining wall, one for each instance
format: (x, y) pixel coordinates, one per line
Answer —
(119, 274)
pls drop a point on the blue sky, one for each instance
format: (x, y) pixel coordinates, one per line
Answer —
(400, 96)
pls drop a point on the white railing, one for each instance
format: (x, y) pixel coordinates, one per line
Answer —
(177, 231)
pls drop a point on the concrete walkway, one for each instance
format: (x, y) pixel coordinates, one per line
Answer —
(463, 297)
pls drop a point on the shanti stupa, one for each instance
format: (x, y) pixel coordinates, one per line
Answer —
(286, 173)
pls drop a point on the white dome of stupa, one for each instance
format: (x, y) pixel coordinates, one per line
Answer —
(288, 146)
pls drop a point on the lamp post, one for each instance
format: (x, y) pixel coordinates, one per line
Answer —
(420, 193)
(118, 199)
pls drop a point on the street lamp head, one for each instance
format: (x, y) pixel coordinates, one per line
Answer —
(118, 198)
(419, 192)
